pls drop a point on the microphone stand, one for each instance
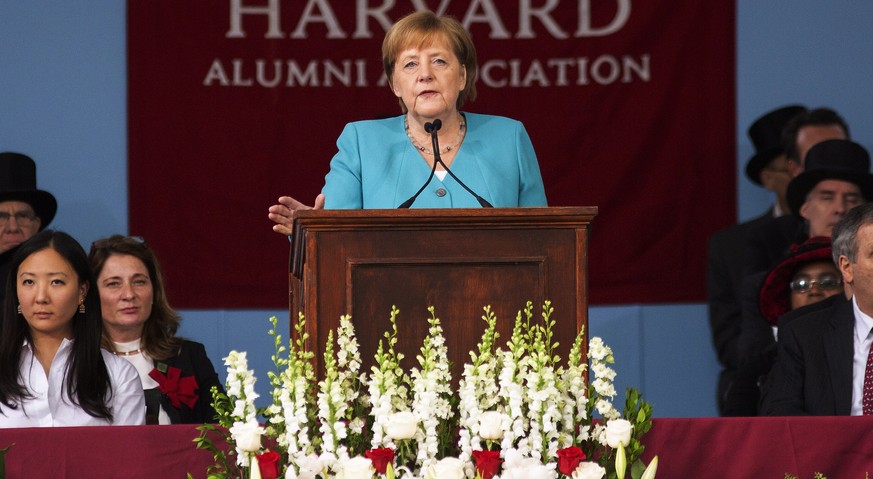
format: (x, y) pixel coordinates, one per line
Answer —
(437, 159)
(433, 128)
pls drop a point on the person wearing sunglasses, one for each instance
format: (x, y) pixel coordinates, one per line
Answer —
(806, 276)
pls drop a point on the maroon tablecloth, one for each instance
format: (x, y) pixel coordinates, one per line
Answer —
(840, 447)
(154, 452)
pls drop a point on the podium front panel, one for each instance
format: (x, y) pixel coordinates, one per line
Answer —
(363, 266)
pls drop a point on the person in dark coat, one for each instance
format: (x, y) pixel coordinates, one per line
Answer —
(807, 276)
(823, 357)
(767, 168)
(140, 326)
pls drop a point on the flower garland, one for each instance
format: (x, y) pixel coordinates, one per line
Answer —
(518, 412)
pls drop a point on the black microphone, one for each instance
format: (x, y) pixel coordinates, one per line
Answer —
(428, 127)
(433, 128)
(436, 159)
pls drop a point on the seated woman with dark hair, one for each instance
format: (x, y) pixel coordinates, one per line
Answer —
(52, 369)
(140, 326)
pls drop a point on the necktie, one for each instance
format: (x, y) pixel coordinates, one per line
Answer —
(867, 401)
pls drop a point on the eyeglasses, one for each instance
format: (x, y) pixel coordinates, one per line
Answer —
(825, 283)
(23, 218)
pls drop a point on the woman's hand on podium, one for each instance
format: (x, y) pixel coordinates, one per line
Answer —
(283, 213)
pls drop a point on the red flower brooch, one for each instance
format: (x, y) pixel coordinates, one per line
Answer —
(178, 389)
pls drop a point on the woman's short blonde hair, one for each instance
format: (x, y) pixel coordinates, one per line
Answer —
(423, 29)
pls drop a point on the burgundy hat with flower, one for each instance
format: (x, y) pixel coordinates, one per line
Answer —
(774, 299)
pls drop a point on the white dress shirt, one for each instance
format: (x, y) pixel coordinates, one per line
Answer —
(50, 405)
(144, 365)
(862, 338)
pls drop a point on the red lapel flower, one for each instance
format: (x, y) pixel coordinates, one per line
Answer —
(569, 459)
(178, 389)
(487, 463)
(380, 457)
(268, 464)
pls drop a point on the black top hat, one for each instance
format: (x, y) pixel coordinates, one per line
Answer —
(766, 135)
(831, 160)
(18, 183)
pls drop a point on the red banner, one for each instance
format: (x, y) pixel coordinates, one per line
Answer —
(629, 104)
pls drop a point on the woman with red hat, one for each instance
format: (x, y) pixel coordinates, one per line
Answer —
(805, 277)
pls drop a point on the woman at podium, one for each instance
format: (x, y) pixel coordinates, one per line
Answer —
(433, 155)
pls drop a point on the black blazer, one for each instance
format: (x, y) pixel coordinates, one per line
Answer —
(813, 371)
(769, 242)
(724, 275)
(192, 360)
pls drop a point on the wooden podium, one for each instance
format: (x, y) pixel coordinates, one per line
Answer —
(361, 262)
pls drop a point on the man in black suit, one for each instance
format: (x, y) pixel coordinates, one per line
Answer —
(770, 241)
(823, 355)
(767, 168)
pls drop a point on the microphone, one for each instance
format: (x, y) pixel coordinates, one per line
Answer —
(433, 128)
(408, 203)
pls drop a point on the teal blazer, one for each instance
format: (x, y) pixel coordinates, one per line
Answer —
(377, 167)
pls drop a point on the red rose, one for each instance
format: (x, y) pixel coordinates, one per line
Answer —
(381, 458)
(487, 463)
(268, 464)
(569, 459)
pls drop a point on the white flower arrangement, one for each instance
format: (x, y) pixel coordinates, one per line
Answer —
(517, 412)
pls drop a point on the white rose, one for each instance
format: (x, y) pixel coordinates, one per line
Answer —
(589, 470)
(518, 466)
(447, 468)
(491, 425)
(247, 436)
(618, 430)
(358, 467)
(401, 425)
(311, 466)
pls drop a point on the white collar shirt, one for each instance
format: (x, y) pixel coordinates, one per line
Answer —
(861, 339)
(50, 406)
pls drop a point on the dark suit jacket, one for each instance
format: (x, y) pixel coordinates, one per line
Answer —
(724, 276)
(756, 348)
(192, 360)
(769, 242)
(813, 371)
(724, 273)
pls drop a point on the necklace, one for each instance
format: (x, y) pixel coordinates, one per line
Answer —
(128, 353)
(461, 131)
